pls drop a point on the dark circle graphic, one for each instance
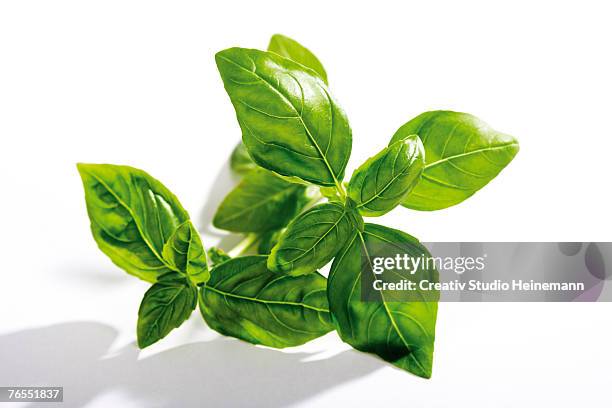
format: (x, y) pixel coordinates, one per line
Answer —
(595, 263)
(570, 248)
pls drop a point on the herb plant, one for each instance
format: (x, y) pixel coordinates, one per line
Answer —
(298, 215)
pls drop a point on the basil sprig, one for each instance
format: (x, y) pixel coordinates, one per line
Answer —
(298, 213)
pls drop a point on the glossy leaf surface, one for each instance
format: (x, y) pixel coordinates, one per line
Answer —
(243, 299)
(462, 154)
(381, 183)
(184, 251)
(290, 123)
(165, 306)
(399, 332)
(289, 48)
(260, 202)
(311, 240)
(132, 217)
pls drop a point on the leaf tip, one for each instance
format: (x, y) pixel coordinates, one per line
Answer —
(225, 54)
(85, 170)
(516, 147)
(81, 167)
(275, 39)
(425, 375)
(143, 343)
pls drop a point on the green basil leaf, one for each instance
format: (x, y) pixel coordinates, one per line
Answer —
(399, 332)
(240, 161)
(217, 256)
(260, 202)
(165, 306)
(355, 217)
(184, 251)
(243, 299)
(290, 123)
(288, 48)
(311, 240)
(380, 184)
(132, 217)
(267, 241)
(462, 154)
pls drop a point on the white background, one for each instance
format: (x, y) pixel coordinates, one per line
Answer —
(135, 83)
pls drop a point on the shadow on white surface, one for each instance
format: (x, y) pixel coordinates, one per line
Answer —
(223, 183)
(95, 275)
(218, 373)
